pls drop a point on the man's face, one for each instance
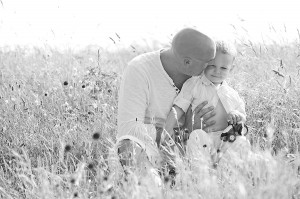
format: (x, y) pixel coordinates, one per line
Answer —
(190, 66)
(195, 67)
(218, 69)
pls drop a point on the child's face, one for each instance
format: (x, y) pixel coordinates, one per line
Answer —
(218, 69)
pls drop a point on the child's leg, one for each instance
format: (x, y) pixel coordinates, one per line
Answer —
(234, 151)
(198, 146)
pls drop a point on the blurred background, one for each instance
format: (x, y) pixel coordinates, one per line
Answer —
(75, 24)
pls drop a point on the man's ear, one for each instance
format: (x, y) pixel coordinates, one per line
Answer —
(187, 61)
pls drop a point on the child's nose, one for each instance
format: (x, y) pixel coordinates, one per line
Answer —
(217, 70)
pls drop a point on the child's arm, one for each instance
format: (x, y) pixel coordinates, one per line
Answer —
(238, 114)
(235, 117)
(172, 119)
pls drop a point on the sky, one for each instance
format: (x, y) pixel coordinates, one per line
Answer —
(75, 24)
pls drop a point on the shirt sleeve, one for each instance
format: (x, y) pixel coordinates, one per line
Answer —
(241, 107)
(185, 97)
(132, 104)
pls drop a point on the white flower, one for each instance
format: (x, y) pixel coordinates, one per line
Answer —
(95, 105)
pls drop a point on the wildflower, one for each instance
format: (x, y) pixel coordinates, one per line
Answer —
(95, 105)
(96, 136)
(166, 179)
(75, 195)
(110, 189)
(66, 83)
(83, 86)
(67, 148)
(90, 166)
(72, 180)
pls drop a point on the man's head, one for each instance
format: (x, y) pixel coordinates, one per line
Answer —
(219, 68)
(193, 50)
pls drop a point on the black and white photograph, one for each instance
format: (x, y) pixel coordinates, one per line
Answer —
(138, 99)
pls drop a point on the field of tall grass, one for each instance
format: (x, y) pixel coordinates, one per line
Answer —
(58, 127)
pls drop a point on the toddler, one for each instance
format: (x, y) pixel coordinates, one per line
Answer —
(211, 86)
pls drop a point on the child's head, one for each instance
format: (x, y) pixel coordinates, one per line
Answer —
(219, 68)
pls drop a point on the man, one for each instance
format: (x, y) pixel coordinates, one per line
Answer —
(149, 85)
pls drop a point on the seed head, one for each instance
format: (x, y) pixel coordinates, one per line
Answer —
(72, 180)
(90, 166)
(67, 148)
(166, 179)
(75, 195)
(96, 135)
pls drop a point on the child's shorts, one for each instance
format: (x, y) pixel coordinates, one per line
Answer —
(204, 145)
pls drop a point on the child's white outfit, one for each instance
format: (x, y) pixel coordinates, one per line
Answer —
(198, 89)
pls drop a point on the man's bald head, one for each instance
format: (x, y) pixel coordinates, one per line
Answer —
(194, 44)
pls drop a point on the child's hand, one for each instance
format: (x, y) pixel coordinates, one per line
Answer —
(234, 117)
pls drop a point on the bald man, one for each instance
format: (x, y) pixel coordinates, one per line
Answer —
(149, 85)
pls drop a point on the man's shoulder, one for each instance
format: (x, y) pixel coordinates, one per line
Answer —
(144, 60)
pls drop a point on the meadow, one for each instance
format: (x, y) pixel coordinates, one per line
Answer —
(59, 115)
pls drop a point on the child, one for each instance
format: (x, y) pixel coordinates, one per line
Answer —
(212, 87)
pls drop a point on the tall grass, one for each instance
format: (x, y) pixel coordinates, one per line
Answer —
(58, 128)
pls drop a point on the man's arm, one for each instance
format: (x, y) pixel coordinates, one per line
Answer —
(172, 119)
(132, 104)
(200, 112)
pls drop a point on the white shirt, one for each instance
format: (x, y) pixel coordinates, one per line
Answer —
(198, 89)
(145, 98)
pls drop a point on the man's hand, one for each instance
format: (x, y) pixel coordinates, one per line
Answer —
(200, 112)
(234, 117)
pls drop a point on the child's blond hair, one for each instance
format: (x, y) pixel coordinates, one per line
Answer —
(226, 48)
